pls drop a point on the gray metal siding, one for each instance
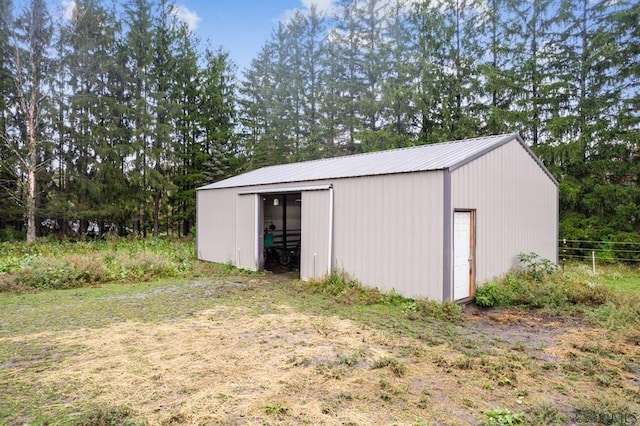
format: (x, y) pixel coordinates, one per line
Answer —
(215, 229)
(314, 256)
(516, 204)
(388, 232)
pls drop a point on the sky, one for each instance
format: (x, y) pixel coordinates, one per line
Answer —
(240, 27)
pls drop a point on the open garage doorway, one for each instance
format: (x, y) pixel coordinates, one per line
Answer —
(282, 230)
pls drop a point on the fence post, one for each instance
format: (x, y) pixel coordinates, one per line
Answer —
(593, 261)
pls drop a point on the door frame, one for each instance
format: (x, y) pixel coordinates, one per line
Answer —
(259, 219)
(472, 255)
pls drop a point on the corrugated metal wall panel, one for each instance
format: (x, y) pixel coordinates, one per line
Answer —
(314, 255)
(388, 231)
(516, 207)
(246, 233)
(216, 224)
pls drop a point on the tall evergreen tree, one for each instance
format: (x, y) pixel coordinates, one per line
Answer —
(139, 44)
(433, 39)
(162, 67)
(258, 91)
(345, 80)
(399, 111)
(8, 178)
(30, 45)
(499, 90)
(312, 53)
(537, 19)
(93, 163)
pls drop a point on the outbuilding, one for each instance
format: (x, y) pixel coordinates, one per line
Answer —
(427, 221)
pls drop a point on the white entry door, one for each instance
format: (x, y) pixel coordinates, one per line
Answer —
(463, 252)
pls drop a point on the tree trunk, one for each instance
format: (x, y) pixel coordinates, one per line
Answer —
(30, 202)
(156, 213)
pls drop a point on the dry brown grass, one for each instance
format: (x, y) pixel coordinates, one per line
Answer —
(228, 365)
(249, 358)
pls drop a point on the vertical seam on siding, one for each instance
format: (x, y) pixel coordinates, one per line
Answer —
(197, 233)
(446, 237)
(330, 254)
(256, 233)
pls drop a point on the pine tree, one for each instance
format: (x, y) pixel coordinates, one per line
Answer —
(345, 78)
(185, 95)
(398, 105)
(596, 157)
(499, 91)
(138, 43)
(8, 179)
(433, 39)
(90, 159)
(162, 68)
(534, 44)
(312, 54)
(30, 45)
(257, 110)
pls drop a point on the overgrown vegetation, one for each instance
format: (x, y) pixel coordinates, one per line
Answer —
(64, 264)
(538, 284)
(346, 290)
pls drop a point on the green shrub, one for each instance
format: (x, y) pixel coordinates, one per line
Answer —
(488, 295)
(544, 288)
(535, 266)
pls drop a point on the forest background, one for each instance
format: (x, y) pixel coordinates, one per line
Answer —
(115, 116)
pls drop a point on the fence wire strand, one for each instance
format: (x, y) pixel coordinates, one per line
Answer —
(601, 250)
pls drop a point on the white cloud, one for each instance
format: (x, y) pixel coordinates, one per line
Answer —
(68, 7)
(330, 7)
(323, 6)
(185, 15)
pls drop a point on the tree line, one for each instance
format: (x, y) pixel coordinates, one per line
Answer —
(132, 114)
(111, 116)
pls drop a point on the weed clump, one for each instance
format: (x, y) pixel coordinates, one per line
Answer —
(539, 285)
(110, 416)
(575, 289)
(504, 416)
(344, 289)
(396, 367)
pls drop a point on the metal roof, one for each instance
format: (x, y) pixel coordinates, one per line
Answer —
(446, 155)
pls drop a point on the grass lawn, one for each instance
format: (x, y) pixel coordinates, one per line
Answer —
(217, 346)
(623, 278)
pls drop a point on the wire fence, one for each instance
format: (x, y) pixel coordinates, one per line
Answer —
(599, 251)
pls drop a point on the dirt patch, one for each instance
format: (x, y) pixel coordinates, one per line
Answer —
(528, 330)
